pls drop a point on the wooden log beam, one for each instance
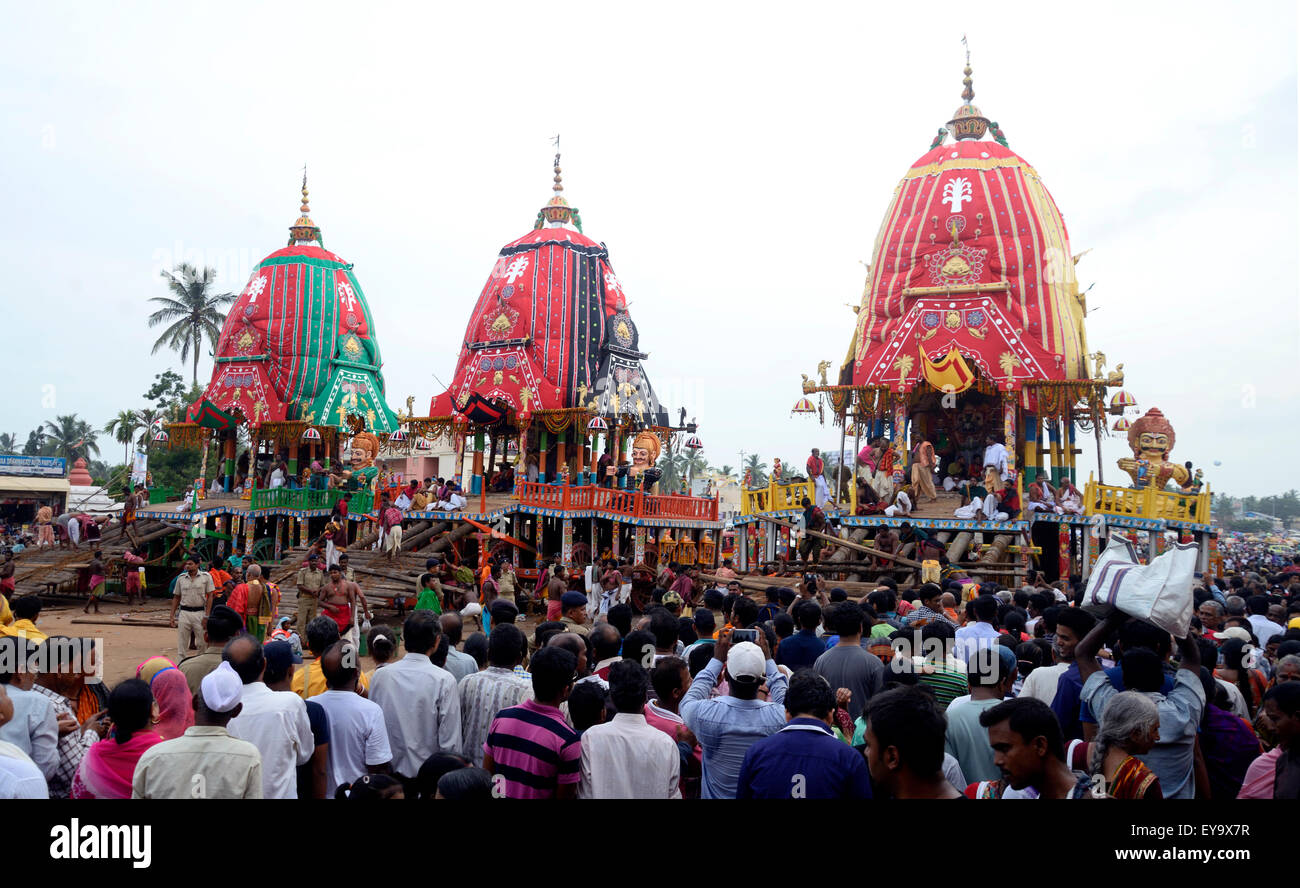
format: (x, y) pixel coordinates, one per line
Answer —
(429, 529)
(957, 548)
(857, 547)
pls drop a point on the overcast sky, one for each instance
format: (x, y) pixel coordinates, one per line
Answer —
(737, 159)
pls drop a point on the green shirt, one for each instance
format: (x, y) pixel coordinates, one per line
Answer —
(429, 601)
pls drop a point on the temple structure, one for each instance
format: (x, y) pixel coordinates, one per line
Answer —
(551, 375)
(550, 339)
(970, 332)
(298, 368)
(298, 351)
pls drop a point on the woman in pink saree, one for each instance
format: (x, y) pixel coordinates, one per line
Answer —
(109, 765)
(172, 694)
(175, 703)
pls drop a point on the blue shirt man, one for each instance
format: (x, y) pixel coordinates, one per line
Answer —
(804, 647)
(803, 760)
(727, 727)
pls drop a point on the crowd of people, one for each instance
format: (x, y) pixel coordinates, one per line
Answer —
(643, 683)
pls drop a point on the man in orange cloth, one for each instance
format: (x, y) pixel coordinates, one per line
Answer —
(923, 463)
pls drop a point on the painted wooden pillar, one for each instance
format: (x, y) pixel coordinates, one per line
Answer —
(228, 470)
(1070, 451)
(250, 526)
(561, 462)
(516, 528)
(638, 544)
(1063, 551)
(566, 541)
(476, 483)
(1031, 447)
(900, 430)
(1009, 428)
(543, 445)
(1054, 437)
(853, 477)
(616, 530)
(279, 529)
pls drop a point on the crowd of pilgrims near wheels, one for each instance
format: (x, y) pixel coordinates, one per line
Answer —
(626, 681)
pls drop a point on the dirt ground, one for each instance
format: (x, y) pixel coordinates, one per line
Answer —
(127, 646)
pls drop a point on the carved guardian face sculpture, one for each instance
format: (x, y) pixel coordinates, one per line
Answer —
(645, 452)
(365, 447)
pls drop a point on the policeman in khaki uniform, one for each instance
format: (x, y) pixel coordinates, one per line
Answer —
(193, 593)
(310, 580)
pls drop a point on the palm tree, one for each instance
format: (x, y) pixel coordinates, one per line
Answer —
(8, 443)
(35, 443)
(70, 437)
(690, 464)
(191, 310)
(670, 479)
(122, 427)
(725, 471)
(145, 419)
(757, 470)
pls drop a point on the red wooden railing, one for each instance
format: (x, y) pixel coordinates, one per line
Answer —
(633, 503)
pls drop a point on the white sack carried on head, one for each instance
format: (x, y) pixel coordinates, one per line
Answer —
(1159, 592)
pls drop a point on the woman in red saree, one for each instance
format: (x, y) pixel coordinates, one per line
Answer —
(1130, 726)
(108, 766)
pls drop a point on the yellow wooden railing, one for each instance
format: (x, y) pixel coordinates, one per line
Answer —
(775, 497)
(1163, 505)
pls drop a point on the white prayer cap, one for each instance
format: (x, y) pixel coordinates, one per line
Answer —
(221, 688)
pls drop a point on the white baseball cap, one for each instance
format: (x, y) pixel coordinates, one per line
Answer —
(746, 661)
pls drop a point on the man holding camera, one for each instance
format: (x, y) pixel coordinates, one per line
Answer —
(727, 726)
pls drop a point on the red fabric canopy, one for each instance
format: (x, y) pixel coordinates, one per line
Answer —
(550, 330)
(972, 252)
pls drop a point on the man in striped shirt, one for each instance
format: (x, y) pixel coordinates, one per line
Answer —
(937, 667)
(531, 751)
(484, 694)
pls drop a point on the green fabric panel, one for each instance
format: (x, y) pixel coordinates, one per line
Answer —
(326, 406)
(302, 260)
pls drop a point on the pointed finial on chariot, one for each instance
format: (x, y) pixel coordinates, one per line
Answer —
(968, 93)
(967, 122)
(558, 186)
(557, 211)
(305, 231)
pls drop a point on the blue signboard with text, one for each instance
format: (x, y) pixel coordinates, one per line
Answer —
(41, 466)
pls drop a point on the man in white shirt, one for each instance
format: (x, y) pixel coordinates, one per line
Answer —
(19, 776)
(608, 748)
(358, 735)
(1260, 624)
(980, 634)
(273, 721)
(995, 465)
(419, 701)
(205, 762)
(33, 726)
